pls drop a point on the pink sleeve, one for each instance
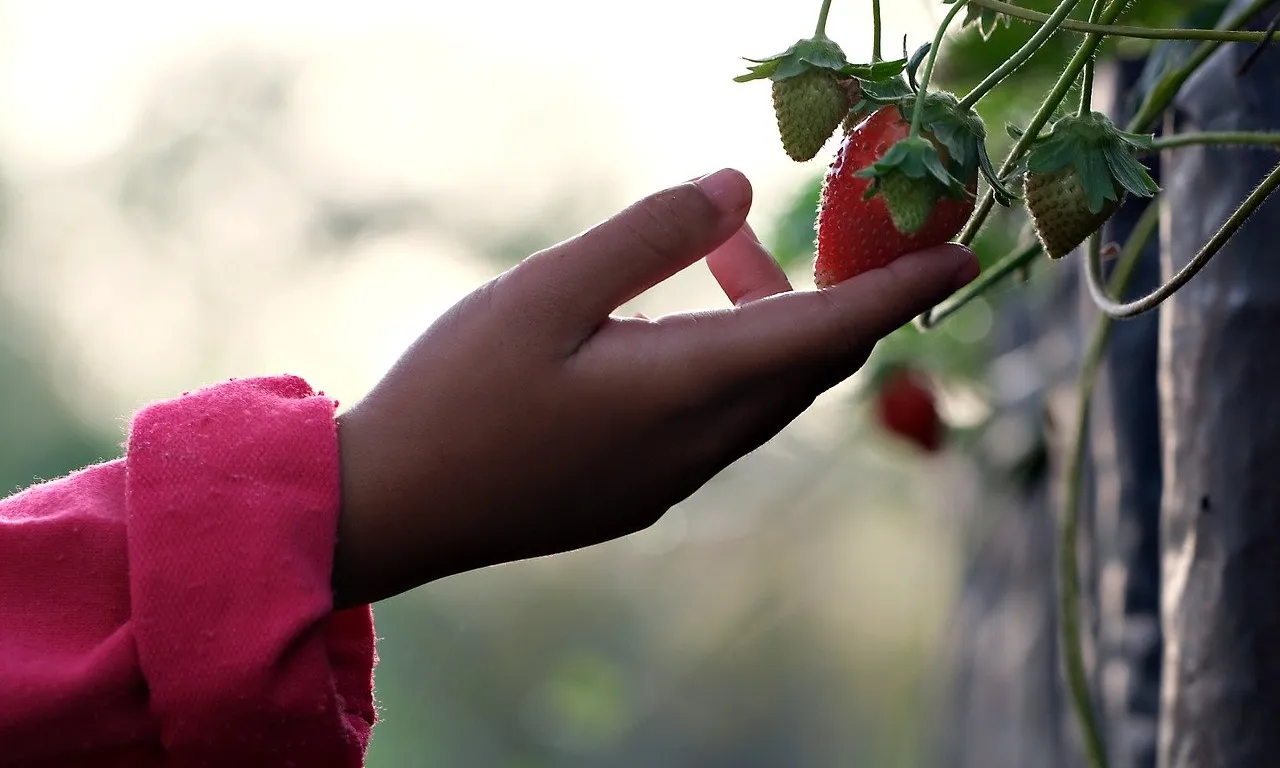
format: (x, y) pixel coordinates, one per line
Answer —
(177, 602)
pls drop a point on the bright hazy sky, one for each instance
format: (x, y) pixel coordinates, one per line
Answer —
(497, 101)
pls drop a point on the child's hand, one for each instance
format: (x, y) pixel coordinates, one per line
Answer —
(528, 421)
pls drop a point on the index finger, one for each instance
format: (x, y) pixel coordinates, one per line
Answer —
(745, 270)
(833, 328)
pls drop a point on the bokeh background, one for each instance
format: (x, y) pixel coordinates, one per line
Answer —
(194, 191)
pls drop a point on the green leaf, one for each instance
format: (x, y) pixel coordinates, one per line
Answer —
(1131, 174)
(821, 53)
(758, 72)
(1139, 141)
(959, 135)
(984, 18)
(801, 57)
(885, 91)
(914, 63)
(1096, 179)
(1003, 196)
(877, 93)
(875, 71)
(1054, 153)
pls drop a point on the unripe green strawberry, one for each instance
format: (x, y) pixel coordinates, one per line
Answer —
(1078, 176)
(815, 88)
(1059, 208)
(910, 201)
(810, 107)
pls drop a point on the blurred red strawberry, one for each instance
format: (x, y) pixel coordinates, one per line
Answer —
(905, 406)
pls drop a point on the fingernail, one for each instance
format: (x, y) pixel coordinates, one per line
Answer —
(728, 190)
(967, 271)
(751, 233)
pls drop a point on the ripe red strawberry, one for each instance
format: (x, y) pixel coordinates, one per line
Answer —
(905, 407)
(857, 234)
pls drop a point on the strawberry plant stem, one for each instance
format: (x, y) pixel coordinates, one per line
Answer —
(1166, 90)
(1086, 82)
(1154, 299)
(1020, 56)
(917, 114)
(877, 30)
(1226, 35)
(1259, 138)
(820, 31)
(1011, 263)
(1157, 100)
(1083, 55)
(1068, 539)
(989, 277)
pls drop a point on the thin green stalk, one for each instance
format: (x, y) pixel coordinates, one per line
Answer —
(989, 277)
(1216, 243)
(1068, 539)
(1082, 56)
(1020, 57)
(877, 30)
(1165, 91)
(1191, 138)
(820, 32)
(917, 115)
(1154, 105)
(1086, 82)
(1225, 35)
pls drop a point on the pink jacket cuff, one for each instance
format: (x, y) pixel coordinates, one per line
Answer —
(212, 545)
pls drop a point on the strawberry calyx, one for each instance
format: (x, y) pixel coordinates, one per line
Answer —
(1103, 156)
(817, 53)
(911, 177)
(964, 135)
(944, 159)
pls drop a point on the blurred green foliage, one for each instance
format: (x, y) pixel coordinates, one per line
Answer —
(45, 437)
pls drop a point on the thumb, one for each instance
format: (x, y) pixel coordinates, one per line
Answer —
(582, 280)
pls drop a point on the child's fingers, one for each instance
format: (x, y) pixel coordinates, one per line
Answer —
(827, 329)
(582, 281)
(745, 270)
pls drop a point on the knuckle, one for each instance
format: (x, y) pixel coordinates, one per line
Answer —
(666, 222)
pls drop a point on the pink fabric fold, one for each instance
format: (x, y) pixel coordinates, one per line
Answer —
(173, 608)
